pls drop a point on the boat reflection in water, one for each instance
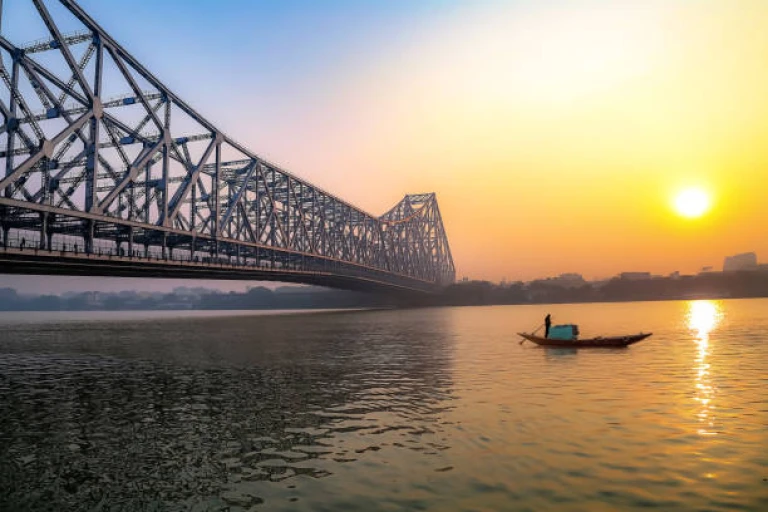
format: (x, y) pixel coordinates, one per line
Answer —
(703, 317)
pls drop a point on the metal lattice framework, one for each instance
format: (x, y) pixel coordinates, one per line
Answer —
(100, 160)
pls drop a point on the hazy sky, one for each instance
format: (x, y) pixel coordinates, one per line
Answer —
(555, 133)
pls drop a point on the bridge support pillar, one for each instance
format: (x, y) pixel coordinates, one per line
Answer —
(130, 241)
(88, 237)
(43, 231)
(49, 234)
(3, 227)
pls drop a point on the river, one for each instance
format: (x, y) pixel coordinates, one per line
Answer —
(422, 409)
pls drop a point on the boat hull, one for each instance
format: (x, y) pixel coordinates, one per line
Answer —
(600, 342)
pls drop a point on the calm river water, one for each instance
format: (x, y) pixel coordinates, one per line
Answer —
(426, 409)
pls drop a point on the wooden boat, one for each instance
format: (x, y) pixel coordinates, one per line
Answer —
(599, 342)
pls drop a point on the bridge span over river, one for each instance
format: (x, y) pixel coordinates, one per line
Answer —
(104, 171)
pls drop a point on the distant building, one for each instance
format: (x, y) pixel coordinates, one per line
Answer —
(675, 275)
(635, 276)
(287, 290)
(568, 280)
(744, 261)
(93, 299)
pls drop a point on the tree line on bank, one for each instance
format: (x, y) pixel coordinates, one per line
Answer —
(471, 293)
(715, 285)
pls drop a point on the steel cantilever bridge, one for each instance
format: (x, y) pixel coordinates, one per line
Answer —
(105, 171)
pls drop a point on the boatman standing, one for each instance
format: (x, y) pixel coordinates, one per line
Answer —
(547, 325)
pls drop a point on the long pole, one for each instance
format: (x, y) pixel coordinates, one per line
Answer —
(534, 332)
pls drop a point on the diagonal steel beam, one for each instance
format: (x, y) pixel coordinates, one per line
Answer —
(54, 30)
(128, 177)
(12, 82)
(81, 66)
(247, 222)
(236, 199)
(45, 151)
(134, 86)
(45, 73)
(183, 192)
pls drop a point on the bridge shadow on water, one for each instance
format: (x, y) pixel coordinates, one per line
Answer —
(176, 414)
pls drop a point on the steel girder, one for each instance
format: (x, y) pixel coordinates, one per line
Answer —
(97, 155)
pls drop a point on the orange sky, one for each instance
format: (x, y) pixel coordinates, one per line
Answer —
(554, 133)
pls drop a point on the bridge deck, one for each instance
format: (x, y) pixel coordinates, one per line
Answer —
(33, 261)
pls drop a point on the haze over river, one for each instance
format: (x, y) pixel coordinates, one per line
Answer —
(423, 409)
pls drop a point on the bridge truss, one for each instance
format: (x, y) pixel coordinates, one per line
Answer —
(105, 171)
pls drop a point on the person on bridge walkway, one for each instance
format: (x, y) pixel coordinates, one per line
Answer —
(547, 325)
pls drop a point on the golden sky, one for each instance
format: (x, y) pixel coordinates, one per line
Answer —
(555, 134)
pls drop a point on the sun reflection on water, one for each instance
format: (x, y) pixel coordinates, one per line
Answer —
(703, 317)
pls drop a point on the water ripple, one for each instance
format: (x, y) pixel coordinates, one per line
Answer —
(436, 409)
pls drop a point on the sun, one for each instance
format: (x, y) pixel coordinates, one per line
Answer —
(692, 203)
